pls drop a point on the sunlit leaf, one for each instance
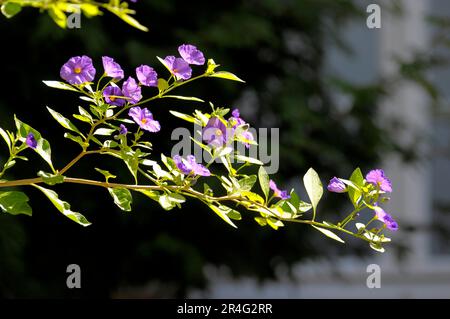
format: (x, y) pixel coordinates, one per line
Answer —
(329, 234)
(263, 179)
(122, 197)
(65, 122)
(15, 203)
(43, 146)
(63, 207)
(10, 9)
(313, 187)
(226, 75)
(51, 179)
(60, 85)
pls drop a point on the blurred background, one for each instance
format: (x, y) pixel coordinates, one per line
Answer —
(343, 96)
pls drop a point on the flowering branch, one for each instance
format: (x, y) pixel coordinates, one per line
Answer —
(59, 10)
(110, 132)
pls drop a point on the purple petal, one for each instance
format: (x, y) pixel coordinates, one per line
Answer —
(123, 129)
(147, 76)
(78, 70)
(112, 69)
(31, 141)
(179, 68)
(378, 178)
(191, 54)
(181, 165)
(132, 90)
(335, 185)
(111, 94)
(235, 113)
(144, 118)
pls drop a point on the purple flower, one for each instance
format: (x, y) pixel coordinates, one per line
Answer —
(112, 69)
(78, 70)
(132, 90)
(247, 136)
(335, 185)
(147, 76)
(215, 132)
(235, 120)
(123, 129)
(191, 54)
(178, 67)
(144, 118)
(278, 192)
(31, 141)
(386, 218)
(111, 95)
(378, 178)
(189, 166)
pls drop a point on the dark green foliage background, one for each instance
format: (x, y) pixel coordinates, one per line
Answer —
(130, 249)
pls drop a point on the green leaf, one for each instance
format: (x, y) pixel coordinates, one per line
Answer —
(226, 75)
(76, 139)
(246, 183)
(166, 203)
(105, 173)
(131, 159)
(10, 9)
(183, 116)
(304, 206)
(356, 178)
(51, 179)
(63, 207)
(90, 10)
(370, 235)
(84, 113)
(204, 118)
(60, 85)
(222, 151)
(128, 19)
(149, 193)
(104, 131)
(377, 247)
(211, 66)
(177, 198)
(5, 137)
(82, 118)
(162, 85)
(65, 122)
(57, 15)
(274, 223)
(261, 221)
(15, 203)
(329, 234)
(203, 146)
(313, 187)
(222, 213)
(186, 98)
(122, 198)
(248, 159)
(234, 214)
(263, 179)
(253, 197)
(43, 146)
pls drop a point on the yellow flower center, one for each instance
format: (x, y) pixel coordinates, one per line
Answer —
(112, 98)
(218, 132)
(77, 70)
(143, 121)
